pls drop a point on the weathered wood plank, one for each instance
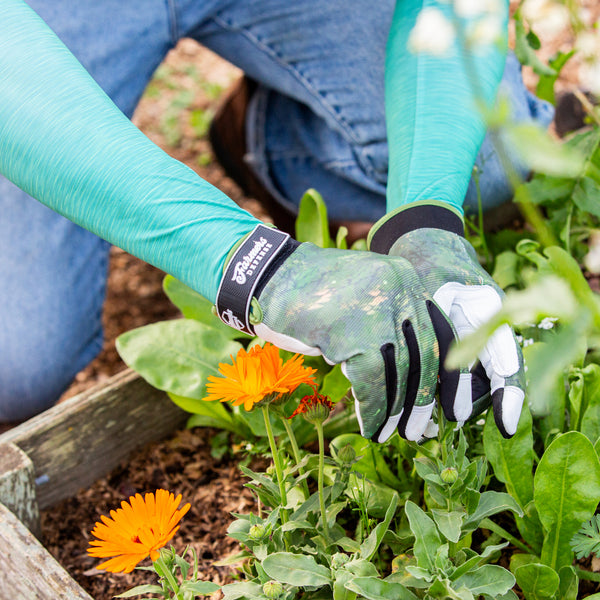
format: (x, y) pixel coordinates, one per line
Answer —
(17, 486)
(82, 439)
(28, 570)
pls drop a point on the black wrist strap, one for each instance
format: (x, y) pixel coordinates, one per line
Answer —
(246, 267)
(430, 216)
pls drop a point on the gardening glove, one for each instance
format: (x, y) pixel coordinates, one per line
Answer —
(431, 237)
(365, 311)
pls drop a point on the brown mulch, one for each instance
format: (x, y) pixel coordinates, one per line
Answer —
(182, 465)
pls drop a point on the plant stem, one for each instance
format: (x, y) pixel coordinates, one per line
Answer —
(164, 571)
(296, 452)
(277, 462)
(588, 575)
(489, 524)
(319, 427)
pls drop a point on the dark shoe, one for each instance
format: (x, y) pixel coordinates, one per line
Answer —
(227, 135)
(570, 114)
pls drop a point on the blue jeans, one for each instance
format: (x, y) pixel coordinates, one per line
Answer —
(317, 120)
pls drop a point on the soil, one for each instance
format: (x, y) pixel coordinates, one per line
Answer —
(184, 463)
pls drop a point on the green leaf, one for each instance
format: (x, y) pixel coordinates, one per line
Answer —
(506, 269)
(247, 590)
(204, 588)
(538, 582)
(512, 460)
(372, 588)
(569, 584)
(311, 224)
(141, 589)
(542, 153)
(370, 545)
(335, 384)
(296, 569)
(492, 580)
(176, 356)
(566, 493)
(490, 503)
(524, 51)
(194, 306)
(587, 539)
(587, 196)
(545, 86)
(426, 535)
(449, 523)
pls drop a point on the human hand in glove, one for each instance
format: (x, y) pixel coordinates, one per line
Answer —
(365, 311)
(431, 237)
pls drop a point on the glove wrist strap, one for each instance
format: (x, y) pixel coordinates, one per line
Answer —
(257, 258)
(417, 216)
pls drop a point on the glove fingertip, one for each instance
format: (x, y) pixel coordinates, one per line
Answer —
(507, 403)
(413, 425)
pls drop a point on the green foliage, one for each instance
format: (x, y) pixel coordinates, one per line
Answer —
(587, 540)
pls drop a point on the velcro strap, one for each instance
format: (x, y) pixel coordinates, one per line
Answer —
(415, 217)
(242, 274)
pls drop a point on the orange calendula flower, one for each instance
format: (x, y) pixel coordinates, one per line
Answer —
(315, 407)
(137, 530)
(256, 374)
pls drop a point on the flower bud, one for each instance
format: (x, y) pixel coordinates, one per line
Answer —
(317, 413)
(449, 475)
(272, 589)
(347, 455)
(257, 532)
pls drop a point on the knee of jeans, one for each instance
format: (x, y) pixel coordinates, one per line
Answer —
(38, 370)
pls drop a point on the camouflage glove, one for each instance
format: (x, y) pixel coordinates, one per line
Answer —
(430, 237)
(365, 311)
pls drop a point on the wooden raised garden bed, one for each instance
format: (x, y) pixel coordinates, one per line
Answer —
(50, 457)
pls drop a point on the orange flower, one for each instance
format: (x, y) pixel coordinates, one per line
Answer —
(136, 530)
(315, 407)
(257, 374)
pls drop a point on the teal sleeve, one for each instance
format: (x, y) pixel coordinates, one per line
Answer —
(434, 126)
(64, 142)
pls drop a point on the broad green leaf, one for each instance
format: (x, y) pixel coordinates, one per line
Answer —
(205, 588)
(311, 224)
(213, 410)
(296, 569)
(138, 590)
(426, 535)
(247, 590)
(491, 503)
(587, 196)
(194, 306)
(537, 581)
(377, 589)
(566, 493)
(544, 154)
(176, 356)
(512, 460)
(569, 584)
(506, 269)
(477, 560)
(371, 544)
(449, 523)
(492, 580)
(335, 384)
(590, 406)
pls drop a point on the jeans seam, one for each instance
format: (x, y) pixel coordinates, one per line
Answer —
(295, 73)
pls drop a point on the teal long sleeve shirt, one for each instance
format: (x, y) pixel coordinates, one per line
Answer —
(64, 142)
(434, 119)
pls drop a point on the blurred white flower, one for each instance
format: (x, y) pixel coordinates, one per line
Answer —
(468, 9)
(547, 323)
(589, 76)
(546, 16)
(592, 258)
(487, 30)
(588, 43)
(433, 33)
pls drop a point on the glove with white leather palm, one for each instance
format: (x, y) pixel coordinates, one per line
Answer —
(365, 311)
(430, 236)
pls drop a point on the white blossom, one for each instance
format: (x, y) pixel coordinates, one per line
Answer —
(468, 9)
(589, 76)
(487, 30)
(547, 323)
(547, 16)
(433, 33)
(592, 258)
